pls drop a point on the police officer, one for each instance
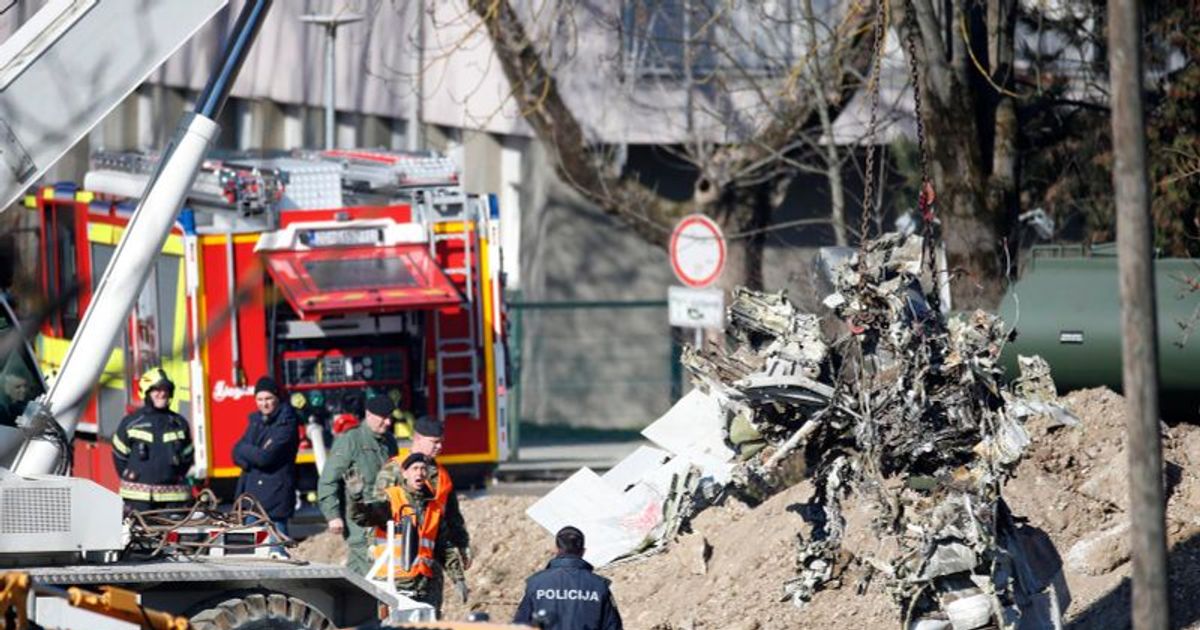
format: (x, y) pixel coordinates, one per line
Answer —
(567, 594)
(152, 449)
(428, 437)
(360, 452)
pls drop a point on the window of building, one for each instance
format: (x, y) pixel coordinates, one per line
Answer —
(719, 36)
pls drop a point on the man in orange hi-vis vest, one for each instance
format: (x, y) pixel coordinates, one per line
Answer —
(428, 437)
(418, 547)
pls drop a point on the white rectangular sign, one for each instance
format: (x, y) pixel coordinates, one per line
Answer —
(696, 308)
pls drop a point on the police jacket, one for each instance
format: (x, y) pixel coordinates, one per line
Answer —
(152, 451)
(573, 597)
(267, 456)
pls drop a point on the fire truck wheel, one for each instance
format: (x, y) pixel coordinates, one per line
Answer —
(261, 612)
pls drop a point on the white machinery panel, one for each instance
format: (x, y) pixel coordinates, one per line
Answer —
(58, 515)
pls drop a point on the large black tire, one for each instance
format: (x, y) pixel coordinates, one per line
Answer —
(271, 611)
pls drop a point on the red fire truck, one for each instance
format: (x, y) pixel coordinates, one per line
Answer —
(342, 273)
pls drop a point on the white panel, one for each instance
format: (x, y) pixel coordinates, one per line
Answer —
(694, 428)
(510, 211)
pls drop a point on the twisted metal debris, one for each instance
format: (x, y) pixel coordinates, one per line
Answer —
(900, 419)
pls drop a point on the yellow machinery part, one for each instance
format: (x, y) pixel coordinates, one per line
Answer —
(14, 595)
(113, 602)
(119, 603)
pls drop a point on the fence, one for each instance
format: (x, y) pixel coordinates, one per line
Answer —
(603, 365)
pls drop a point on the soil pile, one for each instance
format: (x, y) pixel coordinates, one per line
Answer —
(1072, 484)
(729, 571)
(325, 548)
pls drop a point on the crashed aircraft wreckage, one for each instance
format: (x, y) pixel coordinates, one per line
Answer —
(898, 416)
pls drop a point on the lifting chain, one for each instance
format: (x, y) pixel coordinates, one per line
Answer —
(926, 198)
(869, 208)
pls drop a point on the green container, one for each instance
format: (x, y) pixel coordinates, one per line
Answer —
(1066, 307)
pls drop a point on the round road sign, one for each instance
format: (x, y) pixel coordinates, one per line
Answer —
(697, 251)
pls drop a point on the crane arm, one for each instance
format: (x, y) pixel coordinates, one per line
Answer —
(51, 422)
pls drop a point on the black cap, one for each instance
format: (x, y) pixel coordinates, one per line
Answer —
(381, 406)
(414, 458)
(266, 384)
(428, 427)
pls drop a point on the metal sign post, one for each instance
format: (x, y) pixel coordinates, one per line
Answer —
(331, 24)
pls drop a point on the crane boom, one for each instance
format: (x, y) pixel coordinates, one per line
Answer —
(51, 422)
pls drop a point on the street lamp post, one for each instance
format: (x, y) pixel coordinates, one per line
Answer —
(330, 22)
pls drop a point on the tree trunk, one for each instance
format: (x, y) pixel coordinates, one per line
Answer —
(957, 161)
(1003, 203)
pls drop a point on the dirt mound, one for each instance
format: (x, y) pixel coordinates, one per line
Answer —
(729, 572)
(1072, 485)
(326, 548)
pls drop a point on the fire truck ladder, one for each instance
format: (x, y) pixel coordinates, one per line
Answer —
(457, 356)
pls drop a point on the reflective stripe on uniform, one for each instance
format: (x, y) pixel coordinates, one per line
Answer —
(119, 445)
(133, 493)
(138, 434)
(154, 492)
(174, 436)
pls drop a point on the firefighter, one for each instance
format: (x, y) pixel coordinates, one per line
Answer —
(428, 436)
(415, 501)
(152, 449)
(567, 594)
(359, 452)
(267, 454)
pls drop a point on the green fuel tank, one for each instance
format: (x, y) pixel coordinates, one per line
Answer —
(1066, 307)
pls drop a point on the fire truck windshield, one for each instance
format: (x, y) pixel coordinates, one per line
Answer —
(346, 274)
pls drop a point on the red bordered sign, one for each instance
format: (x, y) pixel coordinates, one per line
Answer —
(697, 251)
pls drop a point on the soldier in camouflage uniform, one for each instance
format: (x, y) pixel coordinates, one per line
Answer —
(455, 553)
(358, 453)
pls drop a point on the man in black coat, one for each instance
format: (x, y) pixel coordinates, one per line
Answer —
(567, 595)
(267, 454)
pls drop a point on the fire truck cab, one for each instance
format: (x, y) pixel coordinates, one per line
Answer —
(344, 274)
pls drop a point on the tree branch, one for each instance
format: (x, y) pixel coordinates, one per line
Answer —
(578, 162)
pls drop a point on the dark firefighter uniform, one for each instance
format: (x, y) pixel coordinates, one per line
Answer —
(152, 451)
(570, 596)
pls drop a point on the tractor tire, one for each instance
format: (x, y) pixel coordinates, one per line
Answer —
(271, 611)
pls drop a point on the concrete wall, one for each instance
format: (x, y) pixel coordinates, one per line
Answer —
(593, 367)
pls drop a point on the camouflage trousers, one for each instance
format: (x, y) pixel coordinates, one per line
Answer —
(426, 589)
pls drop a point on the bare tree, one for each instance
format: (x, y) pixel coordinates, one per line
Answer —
(761, 85)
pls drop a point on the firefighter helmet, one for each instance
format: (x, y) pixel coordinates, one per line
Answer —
(155, 378)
